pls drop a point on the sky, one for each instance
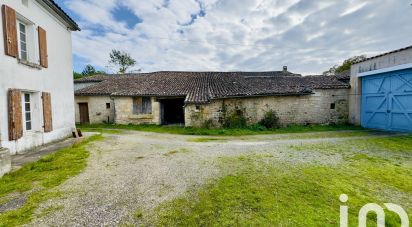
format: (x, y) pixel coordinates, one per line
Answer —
(308, 36)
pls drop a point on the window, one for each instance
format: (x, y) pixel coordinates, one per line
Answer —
(142, 105)
(27, 111)
(107, 105)
(332, 106)
(28, 44)
(23, 41)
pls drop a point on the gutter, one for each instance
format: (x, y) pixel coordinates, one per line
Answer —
(60, 12)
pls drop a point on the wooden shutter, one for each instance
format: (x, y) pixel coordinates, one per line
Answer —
(10, 31)
(15, 114)
(43, 47)
(47, 112)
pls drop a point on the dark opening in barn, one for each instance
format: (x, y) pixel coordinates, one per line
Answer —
(173, 111)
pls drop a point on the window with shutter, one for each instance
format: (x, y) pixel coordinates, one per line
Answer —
(43, 47)
(15, 114)
(47, 112)
(10, 31)
(142, 105)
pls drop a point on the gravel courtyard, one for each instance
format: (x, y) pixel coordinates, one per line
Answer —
(131, 171)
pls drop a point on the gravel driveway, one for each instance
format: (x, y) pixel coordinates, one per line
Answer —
(137, 170)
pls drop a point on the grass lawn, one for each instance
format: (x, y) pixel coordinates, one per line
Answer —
(38, 178)
(224, 132)
(260, 190)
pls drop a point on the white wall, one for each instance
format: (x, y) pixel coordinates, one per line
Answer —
(56, 79)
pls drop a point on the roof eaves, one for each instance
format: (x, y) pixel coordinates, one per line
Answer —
(63, 15)
(384, 54)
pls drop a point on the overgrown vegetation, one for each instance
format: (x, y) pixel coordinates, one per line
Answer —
(263, 191)
(270, 120)
(234, 119)
(38, 178)
(250, 130)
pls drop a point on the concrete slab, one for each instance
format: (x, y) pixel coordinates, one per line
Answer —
(5, 161)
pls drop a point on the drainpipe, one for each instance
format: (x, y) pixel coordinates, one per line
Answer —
(114, 109)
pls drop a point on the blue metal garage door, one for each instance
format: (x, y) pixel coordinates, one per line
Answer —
(387, 101)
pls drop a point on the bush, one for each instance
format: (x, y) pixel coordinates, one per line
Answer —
(270, 120)
(208, 124)
(235, 120)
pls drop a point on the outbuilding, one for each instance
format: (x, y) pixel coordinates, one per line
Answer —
(381, 91)
(208, 99)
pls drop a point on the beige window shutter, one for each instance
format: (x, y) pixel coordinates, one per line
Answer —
(10, 31)
(43, 47)
(15, 114)
(47, 112)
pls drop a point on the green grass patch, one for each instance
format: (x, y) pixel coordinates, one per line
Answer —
(40, 177)
(103, 130)
(261, 191)
(205, 140)
(224, 132)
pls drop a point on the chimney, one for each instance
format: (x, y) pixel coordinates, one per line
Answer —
(285, 68)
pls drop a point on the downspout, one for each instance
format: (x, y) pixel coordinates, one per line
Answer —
(114, 109)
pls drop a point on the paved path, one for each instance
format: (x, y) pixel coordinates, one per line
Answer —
(138, 171)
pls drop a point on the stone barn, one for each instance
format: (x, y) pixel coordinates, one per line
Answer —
(205, 98)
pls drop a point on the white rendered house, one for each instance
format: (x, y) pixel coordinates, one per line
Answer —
(36, 81)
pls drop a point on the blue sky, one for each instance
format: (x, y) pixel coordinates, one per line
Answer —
(236, 35)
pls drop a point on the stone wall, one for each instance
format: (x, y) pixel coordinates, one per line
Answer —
(5, 161)
(315, 109)
(124, 112)
(386, 61)
(98, 111)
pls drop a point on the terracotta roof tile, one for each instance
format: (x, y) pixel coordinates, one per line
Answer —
(201, 87)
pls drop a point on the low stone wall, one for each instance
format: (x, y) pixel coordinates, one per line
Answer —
(326, 106)
(98, 111)
(124, 112)
(5, 161)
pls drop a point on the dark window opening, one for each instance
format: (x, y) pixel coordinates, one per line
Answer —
(107, 105)
(142, 105)
(197, 108)
(332, 106)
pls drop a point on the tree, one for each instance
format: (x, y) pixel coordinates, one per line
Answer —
(89, 70)
(77, 75)
(122, 60)
(345, 65)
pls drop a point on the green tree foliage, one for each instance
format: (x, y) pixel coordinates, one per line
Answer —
(345, 65)
(77, 75)
(89, 70)
(121, 60)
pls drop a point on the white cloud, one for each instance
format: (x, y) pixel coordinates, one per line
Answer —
(252, 35)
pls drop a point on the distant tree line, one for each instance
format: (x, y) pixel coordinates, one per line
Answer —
(120, 61)
(336, 69)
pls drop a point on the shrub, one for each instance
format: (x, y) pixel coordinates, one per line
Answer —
(235, 120)
(208, 124)
(270, 120)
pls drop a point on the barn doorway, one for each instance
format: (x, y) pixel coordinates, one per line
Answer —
(173, 111)
(84, 113)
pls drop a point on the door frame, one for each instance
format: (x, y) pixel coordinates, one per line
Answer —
(87, 120)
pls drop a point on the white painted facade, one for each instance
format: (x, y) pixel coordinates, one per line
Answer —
(57, 79)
